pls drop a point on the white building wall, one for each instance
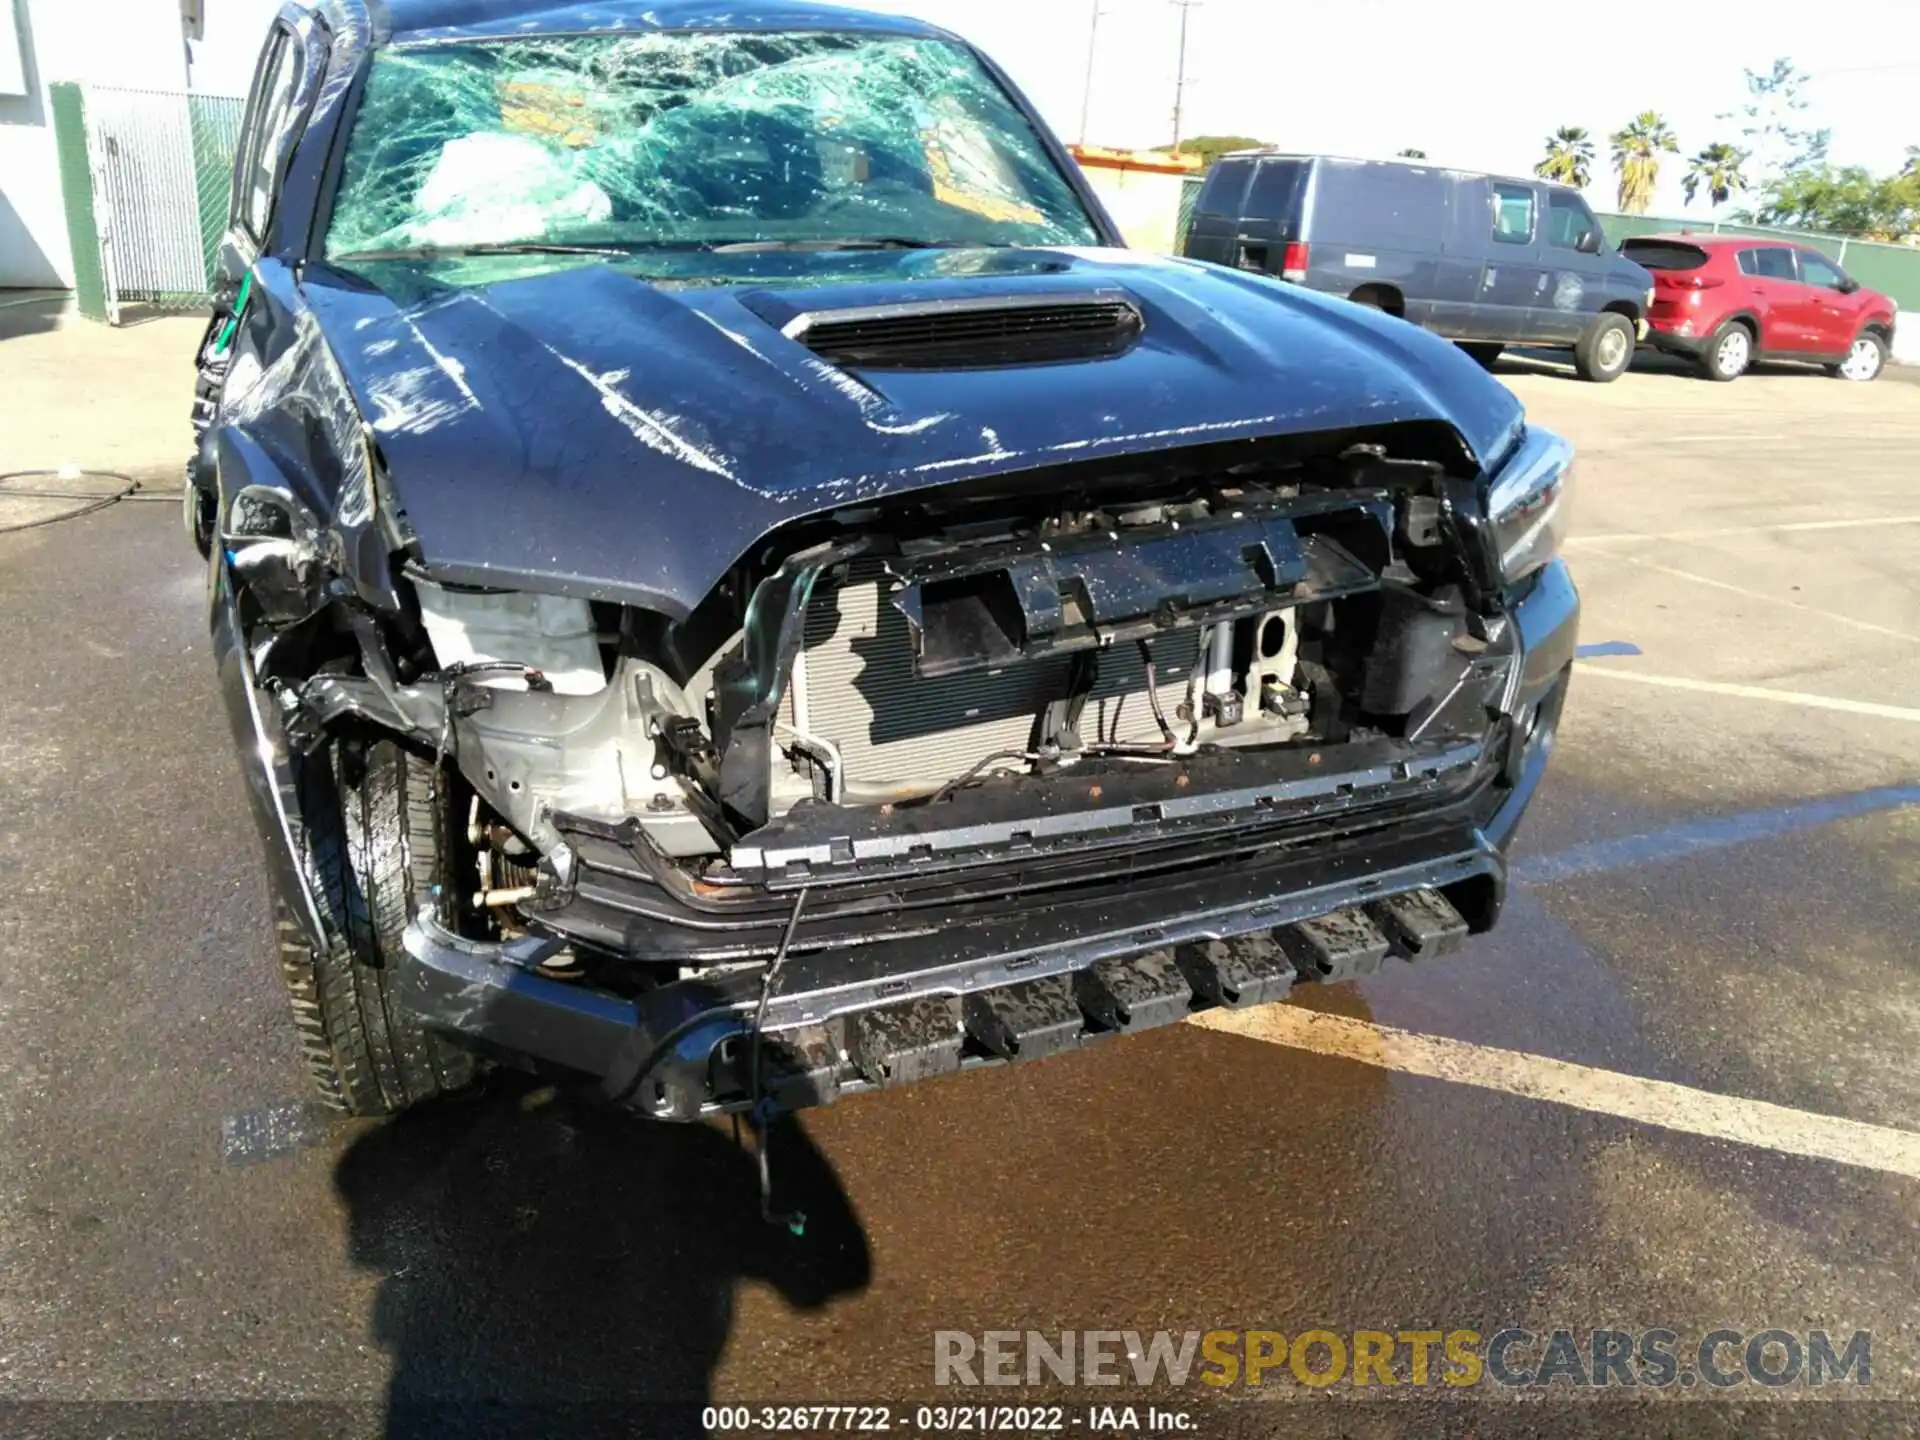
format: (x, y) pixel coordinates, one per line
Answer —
(1145, 204)
(135, 43)
(235, 30)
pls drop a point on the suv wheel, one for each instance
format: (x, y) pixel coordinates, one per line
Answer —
(1729, 352)
(379, 840)
(1864, 361)
(1606, 350)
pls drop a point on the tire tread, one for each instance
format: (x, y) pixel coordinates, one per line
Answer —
(375, 842)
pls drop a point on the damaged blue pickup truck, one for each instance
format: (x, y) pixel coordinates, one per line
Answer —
(732, 586)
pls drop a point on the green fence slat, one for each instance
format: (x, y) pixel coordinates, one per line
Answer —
(76, 191)
(1893, 270)
(1189, 198)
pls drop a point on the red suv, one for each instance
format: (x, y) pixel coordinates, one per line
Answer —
(1725, 301)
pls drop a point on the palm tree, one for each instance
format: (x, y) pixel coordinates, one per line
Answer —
(1636, 155)
(1718, 169)
(1569, 157)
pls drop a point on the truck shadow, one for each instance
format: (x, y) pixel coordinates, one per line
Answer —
(556, 1269)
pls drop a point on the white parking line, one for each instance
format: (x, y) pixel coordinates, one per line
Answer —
(1752, 692)
(1603, 1092)
(1771, 599)
(1736, 438)
(1794, 527)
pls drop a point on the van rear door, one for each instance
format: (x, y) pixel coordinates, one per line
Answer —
(1273, 215)
(1216, 213)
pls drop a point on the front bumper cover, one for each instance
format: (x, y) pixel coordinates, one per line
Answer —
(1027, 987)
(1021, 982)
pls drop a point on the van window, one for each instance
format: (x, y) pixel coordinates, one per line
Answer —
(1773, 262)
(1512, 213)
(1570, 225)
(1275, 192)
(1668, 255)
(1226, 183)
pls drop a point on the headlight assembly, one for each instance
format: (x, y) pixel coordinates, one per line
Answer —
(1527, 506)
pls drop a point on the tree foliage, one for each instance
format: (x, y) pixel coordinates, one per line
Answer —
(1770, 132)
(1211, 147)
(1636, 157)
(1716, 169)
(1848, 200)
(1569, 157)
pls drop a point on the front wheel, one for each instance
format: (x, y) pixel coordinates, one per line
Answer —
(379, 842)
(196, 514)
(1606, 350)
(1864, 361)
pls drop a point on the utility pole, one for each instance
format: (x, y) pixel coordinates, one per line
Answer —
(1185, 7)
(1086, 96)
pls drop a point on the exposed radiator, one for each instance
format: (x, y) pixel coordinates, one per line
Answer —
(855, 686)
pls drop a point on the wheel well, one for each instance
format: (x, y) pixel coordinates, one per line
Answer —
(1383, 297)
(1747, 323)
(1882, 328)
(1621, 307)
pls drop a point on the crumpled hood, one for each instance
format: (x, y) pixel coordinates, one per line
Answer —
(589, 433)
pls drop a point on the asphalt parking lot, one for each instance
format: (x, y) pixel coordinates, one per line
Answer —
(1718, 889)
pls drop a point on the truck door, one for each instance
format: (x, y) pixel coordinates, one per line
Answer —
(284, 79)
(1514, 283)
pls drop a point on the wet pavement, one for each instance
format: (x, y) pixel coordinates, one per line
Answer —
(178, 1224)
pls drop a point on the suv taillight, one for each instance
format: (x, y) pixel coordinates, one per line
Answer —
(1694, 280)
(1293, 264)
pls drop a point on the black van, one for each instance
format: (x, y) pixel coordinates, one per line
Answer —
(1487, 261)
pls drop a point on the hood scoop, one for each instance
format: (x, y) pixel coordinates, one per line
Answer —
(971, 333)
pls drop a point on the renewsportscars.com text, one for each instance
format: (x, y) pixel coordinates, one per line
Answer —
(1511, 1358)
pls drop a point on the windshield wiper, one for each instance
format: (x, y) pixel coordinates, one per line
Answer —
(875, 242)
(499, 247)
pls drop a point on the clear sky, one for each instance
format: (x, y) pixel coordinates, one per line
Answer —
(1475, 83)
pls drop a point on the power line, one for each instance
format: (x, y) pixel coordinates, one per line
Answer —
(1862, 69)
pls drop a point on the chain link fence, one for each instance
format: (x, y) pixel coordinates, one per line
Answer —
(145, 175)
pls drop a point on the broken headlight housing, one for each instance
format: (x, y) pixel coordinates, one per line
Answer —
(1527, 505)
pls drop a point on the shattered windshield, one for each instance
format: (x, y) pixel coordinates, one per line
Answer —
(694, 141)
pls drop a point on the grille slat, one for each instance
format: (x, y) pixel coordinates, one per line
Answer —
(995, 335)
(893, 726)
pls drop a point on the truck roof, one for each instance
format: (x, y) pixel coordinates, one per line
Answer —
(416, 20)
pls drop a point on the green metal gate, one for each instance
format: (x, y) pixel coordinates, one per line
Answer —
(145, 175)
